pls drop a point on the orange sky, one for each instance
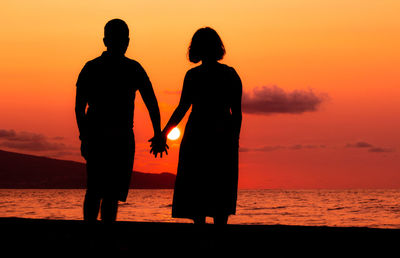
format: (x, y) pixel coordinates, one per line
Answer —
(346, 50)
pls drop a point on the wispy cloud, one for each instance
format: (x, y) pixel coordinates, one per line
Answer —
(359, 145)
(261, 149)
(270, 100)
(28, 141)
(380, 150)
(269, 148)
(370, 147)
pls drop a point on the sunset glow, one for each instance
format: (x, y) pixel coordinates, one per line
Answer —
(321, 84)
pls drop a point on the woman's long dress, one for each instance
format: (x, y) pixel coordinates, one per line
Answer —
(207, 177)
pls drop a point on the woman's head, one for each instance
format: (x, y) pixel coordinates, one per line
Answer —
(206, 45)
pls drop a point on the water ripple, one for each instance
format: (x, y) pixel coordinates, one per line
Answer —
(356, 207)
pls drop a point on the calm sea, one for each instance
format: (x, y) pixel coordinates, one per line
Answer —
(360, 208)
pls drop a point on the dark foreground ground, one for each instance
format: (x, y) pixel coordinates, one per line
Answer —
(144, 239)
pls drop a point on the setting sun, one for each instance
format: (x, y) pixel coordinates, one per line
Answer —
(174, 134)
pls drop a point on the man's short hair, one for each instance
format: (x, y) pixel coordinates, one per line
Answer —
(116, 27)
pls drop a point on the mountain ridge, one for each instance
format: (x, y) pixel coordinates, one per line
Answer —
(25, 171)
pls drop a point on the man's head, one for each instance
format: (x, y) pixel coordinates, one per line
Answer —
(116, 37)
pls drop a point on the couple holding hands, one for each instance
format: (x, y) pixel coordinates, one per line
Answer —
(207, 176)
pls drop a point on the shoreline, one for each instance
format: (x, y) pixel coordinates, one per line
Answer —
(43, 236)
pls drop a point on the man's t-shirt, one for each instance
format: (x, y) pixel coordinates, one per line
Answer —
(109, 85)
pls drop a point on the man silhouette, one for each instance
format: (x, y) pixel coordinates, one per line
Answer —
(106, 86)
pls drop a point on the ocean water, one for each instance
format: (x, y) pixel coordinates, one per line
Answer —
(341, 208)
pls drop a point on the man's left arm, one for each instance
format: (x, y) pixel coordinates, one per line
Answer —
(150, 100)
(80, 109)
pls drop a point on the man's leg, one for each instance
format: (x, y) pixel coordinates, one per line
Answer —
(221, 219)
(91, 206)
(199, 220)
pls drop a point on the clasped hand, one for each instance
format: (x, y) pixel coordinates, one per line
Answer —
(159, 145)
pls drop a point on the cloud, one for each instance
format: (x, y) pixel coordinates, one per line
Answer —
(28, 141)
(380, 150)
(371, 148)
(262, 149)
(7, 133)
(280, 147)
(308, 146)
(269, 100)
(359, 145)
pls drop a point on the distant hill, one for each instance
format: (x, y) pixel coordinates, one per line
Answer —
(22, 171)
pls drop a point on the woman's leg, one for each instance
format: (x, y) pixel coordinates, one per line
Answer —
(109, 209)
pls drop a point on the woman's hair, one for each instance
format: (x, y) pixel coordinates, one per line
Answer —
(206, 44)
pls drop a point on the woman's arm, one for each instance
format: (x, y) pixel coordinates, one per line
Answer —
(159, 143)
(183, 106)
(176, 117)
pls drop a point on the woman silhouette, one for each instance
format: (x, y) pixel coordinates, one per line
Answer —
(207, 177)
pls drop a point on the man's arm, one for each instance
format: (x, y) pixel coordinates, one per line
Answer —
(80, 113)
(150, 100)
(81, 102)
